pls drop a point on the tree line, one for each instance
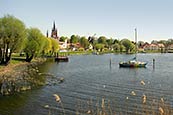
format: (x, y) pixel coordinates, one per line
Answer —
(102, 43)
(108, 44)
(15, 37)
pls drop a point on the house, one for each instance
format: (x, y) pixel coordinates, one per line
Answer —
(170, 48)
(154, 47)
(63, 45)
(75, 46)
(143, 47)
(161, 46)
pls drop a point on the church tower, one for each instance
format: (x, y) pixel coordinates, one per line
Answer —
(54, 33)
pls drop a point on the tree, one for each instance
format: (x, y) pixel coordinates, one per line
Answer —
(109, 43)
(122, 47)
(34, 43)
(116, 47)
(55, 46)
(102, 40)
(12, 36)
(99, 47)
(84, 42)
(128, 45)
(47, 46)
(74, 39)
(62, 38)
(116, 41)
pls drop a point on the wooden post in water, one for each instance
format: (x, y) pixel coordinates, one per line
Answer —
(153, 63)
(110, 63)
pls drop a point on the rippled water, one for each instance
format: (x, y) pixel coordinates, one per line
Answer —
(91, 78)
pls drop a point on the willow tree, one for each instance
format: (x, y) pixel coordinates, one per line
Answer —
(34, 44)
(47, 46)
(55, 46)
(12, 35)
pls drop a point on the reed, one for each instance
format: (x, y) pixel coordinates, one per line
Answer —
(135, 102)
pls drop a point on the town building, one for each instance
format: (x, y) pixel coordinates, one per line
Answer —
(54, 33)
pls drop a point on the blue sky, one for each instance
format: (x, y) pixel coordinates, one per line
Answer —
(111, 18)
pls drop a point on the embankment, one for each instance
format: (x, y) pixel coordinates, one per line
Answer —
(20, 77)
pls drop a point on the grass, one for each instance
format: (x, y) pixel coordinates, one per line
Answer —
(74, 53)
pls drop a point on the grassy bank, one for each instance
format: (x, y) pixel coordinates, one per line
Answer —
(84, 52)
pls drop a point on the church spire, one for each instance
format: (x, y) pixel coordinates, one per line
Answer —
(54, 26)
(54, 33)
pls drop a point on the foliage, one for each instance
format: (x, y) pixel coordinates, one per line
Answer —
(84, 42)
(116, 41)
(12, 36)
(99, 47)
(62, 38)
(129, 46)
(109, 43)
(122, 48)
(55, 46)
(74, 39)
(81, 49)
(35, 43)
(102, 40)
(47, 46)
(116, 47)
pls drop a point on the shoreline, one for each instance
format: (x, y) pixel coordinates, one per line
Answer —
(20, 77)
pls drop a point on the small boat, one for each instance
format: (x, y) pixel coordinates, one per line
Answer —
(133, 63)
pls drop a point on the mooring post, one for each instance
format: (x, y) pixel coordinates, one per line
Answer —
(110, 63)
(153, 63)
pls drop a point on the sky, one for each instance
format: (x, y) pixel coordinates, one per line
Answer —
(115, 19)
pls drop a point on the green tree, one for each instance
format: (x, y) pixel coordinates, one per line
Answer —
(74, 39)
(34, 43)
(109, 43)
(102, 40)
(116, 41)
(129, 46)
(62, 38)
(47, 46)
(99, 47)
(55, 46)
(116, 47)
(84, 42)
(122, 47)
(12, 36)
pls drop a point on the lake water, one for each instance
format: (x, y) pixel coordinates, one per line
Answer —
(92, 85)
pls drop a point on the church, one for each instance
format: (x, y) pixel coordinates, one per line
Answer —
(54, 32)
